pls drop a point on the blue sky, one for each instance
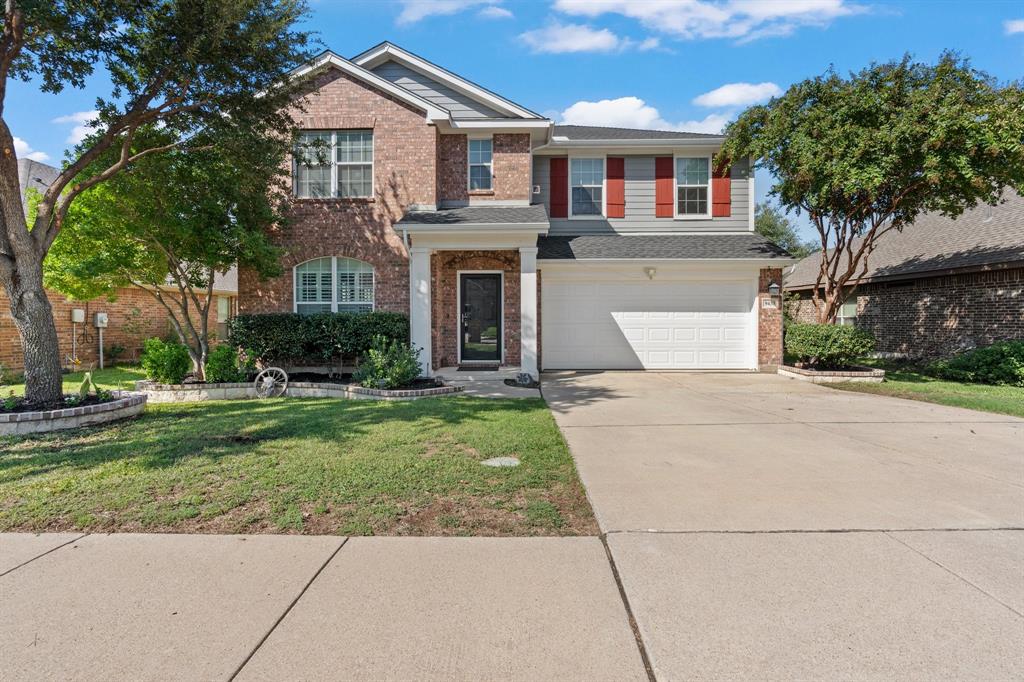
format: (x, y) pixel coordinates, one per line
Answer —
(684, 64)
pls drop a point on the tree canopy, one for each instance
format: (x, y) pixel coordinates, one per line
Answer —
(770, 222)
(868, 153)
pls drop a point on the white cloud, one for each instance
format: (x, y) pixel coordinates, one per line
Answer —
(738, 95)
(633, 112)
(23, 150)
(558, 38)
(81, 128)
(1013, 26)
(415, 10)
(738, 19)
(495, 12)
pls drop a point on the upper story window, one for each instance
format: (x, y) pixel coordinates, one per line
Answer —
(481, 154)
(693, 186)
(334, 164)
(586, 184)
(325, 285)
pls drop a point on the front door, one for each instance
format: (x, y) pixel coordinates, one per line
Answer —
(480, 317)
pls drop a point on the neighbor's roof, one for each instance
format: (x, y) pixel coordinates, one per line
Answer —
(478, 215)
(603, 133)
(743, 246)
(985, 237)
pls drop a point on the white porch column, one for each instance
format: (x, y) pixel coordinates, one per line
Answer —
(528, 303)
(419, 304)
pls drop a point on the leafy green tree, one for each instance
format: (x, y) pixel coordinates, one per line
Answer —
(173, 221)
(867, 154)
(770, 222)
(186, 65)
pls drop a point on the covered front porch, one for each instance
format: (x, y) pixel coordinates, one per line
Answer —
(474, 288)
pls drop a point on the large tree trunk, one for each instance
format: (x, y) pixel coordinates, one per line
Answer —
(34, 319)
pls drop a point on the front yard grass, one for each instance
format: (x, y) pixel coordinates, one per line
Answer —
(902, 382)
(319, 466)
(119, 377)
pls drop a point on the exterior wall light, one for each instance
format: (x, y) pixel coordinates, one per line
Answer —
(650, 272)
(774, 289)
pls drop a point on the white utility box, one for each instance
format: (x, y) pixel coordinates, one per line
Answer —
(100, 321)
(78, 316)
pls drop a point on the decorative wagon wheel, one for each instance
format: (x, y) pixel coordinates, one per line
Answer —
(271, 383)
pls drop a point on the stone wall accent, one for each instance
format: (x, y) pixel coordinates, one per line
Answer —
(816, 376)
(18, 423)
(405, 173)
(444, 268)
(183, 393)
(935, 317)
(131, 306)
(769, 322)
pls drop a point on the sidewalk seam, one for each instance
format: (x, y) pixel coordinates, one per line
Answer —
(65, 544)
(287, 611)
(798, 531)
(629, 611)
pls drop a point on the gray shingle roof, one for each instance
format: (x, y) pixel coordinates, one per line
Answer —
(673, 246)
(603, 133)
(478, 215)
(982, 237)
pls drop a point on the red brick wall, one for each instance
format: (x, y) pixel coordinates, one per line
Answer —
(511, 165)
(131, 306)
(444, 269)
(452, 168)
(769, 321)
(405, 172)
(937, 316)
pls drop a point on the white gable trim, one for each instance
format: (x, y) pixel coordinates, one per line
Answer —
(329, 59)
(385, 51)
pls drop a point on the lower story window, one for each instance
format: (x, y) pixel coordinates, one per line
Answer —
(847, 316)
(335, 284)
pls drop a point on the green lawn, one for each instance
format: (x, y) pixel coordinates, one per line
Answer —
(301, 466)
(115, 377)
(901, 382)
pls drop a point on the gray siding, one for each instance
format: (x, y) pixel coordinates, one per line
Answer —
(460, 105)
(640, 203)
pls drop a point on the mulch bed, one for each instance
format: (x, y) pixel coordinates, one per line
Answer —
(22, 405)
(347, 380)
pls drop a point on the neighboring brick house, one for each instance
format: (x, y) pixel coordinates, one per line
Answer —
(419, 191)
(939, 286)
(132, 313)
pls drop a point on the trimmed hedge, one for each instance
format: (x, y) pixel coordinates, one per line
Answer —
(828, 346)
(311, 340)
(1001, 364)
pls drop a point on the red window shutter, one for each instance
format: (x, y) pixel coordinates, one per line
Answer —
(721, 194)
(616, 202)
(559, 188)
(664, 191)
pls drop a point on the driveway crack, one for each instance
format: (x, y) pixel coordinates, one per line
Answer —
(49, 551)
(629, 610)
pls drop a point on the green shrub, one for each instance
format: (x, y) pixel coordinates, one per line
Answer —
(1001, 364)
(321, 339)
(228, 365)
(165, 363)
(828, 346)
(388, 364)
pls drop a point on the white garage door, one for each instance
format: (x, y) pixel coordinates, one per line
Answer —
(626, 323)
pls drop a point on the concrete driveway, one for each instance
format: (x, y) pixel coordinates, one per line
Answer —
(768, 528)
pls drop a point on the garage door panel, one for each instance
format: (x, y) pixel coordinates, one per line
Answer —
(609, 324)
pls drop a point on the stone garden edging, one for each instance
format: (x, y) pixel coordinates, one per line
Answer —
(124, 406)
(180, 393)
(861, 374)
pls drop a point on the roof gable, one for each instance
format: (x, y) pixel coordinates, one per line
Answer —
(421, 76)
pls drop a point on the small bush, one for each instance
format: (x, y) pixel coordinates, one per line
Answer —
(321, 339)
(227, 365)
(1001, 364)
(165, 363)
(388, 364)
(828, 346)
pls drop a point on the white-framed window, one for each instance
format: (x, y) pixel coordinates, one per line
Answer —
(481, 164)
(337, 163)
(847, 315)
(333, 284)
(693, 186)
(586, 186)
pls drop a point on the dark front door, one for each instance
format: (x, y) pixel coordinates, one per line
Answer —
(481, 317)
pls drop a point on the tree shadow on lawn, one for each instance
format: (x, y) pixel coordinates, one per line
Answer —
(166, 434)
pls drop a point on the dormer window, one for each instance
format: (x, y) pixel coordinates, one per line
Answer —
(481, 168)
(334, 164)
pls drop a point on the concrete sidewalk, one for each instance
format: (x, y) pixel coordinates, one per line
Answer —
(193, 607)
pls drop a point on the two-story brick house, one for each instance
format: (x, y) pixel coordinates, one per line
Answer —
(511, 240)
